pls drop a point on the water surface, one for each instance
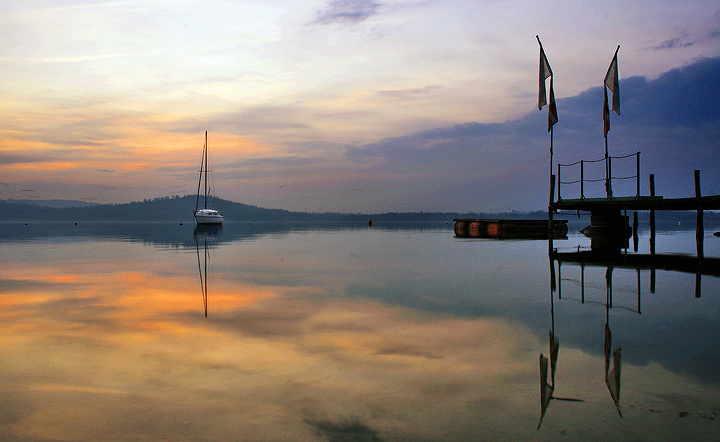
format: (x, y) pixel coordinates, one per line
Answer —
(346, 333)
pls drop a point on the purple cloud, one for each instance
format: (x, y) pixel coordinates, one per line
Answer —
(347, 12)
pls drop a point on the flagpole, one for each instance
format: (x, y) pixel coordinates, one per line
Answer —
(551, 149)
(545, 72)
(608, 189)
(612, 76)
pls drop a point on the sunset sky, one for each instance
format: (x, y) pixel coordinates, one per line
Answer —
(341, 105)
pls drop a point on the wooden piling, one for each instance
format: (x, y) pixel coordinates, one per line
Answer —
(635, 223)
(635, 230)
(652, 216)
(700, 228)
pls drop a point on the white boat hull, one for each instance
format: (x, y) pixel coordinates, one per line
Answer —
(209, 219)
(205, 216)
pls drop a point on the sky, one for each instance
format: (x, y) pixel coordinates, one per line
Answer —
(348, 105)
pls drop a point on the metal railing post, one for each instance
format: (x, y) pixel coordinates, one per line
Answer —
(582, 179)
(559, 181)
(609, 178)
(637, 194)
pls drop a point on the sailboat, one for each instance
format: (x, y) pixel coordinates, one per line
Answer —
(205, 215)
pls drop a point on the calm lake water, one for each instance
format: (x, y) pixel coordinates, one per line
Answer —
(347, 334)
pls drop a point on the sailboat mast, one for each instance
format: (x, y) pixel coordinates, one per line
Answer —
(206, 169)
(197, 198)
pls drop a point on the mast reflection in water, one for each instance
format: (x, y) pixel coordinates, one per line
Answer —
(202, 233)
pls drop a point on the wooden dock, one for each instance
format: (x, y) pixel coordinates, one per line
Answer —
(637, 202)
(609, 219)
(642, 203)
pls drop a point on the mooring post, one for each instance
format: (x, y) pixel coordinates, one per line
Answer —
(652, 216)
(700, 228)
(638, 291)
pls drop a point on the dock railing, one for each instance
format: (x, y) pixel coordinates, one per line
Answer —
(607, 179)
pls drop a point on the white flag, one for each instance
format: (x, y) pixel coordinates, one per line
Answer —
(612, 81)
(545, 73)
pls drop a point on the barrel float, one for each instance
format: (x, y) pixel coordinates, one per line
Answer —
(494, 229)
(475, 229)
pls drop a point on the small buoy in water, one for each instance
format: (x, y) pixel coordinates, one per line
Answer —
(369, 223)
(181, 222)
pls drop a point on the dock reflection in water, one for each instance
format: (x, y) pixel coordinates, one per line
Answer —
(609, 260)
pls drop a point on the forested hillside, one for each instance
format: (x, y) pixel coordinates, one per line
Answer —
(168, 209)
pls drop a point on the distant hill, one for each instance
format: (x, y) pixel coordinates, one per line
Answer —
(55, 204)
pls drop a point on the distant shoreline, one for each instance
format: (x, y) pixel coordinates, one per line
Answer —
(174, 210)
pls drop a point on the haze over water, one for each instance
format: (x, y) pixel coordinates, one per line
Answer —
(355, 333)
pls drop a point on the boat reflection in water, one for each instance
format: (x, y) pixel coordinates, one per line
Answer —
(599, 258)
(202, 233)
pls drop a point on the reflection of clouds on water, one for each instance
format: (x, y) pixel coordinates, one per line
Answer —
(107, 339)
(128, 345)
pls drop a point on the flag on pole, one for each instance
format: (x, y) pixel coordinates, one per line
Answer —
(612, 81)
(545, 72)
(606, 114)
(552, 108)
